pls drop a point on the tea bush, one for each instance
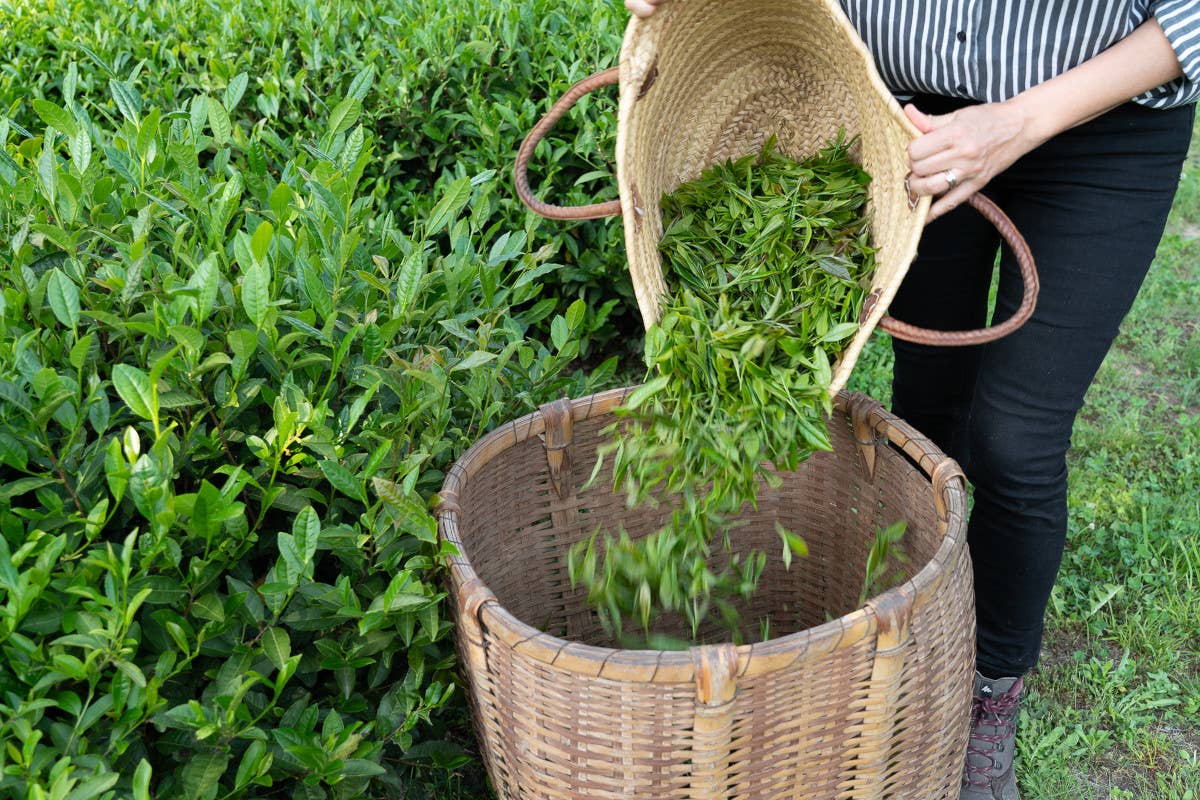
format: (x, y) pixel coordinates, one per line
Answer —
(454, 87)
(263, 279)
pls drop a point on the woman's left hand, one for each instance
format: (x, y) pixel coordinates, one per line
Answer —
(961, 151)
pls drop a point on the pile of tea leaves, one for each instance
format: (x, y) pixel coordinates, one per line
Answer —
(768, 262)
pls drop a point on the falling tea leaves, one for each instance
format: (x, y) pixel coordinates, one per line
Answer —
(769, 260)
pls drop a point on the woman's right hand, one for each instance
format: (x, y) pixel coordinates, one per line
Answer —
(643, 8)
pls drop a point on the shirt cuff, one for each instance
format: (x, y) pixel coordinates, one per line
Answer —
(1180, 21)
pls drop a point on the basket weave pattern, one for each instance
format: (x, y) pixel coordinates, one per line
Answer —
(844, 702)
(707, 80)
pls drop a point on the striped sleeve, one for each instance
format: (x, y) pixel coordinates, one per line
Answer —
(1180, 21)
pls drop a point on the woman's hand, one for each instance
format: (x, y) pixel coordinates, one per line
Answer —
(642, 8)
(961, 151)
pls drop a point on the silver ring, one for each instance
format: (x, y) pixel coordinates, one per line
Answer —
(951, 178)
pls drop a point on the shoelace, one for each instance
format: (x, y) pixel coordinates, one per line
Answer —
(998, 713)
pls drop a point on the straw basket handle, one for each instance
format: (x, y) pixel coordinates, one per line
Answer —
(595, 211)
(1029, 279)
(900, 330)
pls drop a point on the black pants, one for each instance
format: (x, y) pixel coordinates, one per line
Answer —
(1092, 204)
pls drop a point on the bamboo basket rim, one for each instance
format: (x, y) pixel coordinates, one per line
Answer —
(675, 666)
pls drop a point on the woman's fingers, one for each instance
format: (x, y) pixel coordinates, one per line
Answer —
(939, 183)
(923, 121)
(642, 8)
(939, 162)
(959, 153)
(936, 168)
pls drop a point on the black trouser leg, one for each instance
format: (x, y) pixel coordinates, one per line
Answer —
(1092, 204)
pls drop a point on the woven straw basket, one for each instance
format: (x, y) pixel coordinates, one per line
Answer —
(846, 702)
(703, 81)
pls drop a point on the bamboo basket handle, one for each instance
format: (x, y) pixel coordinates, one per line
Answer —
(1029, 277)
(595, 211)
(901, 330)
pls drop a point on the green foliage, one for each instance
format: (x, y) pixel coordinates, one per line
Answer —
(234, 365)
(448, 90)
(768, 261)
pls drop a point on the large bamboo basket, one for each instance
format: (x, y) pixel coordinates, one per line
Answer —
(847, 702)
(702, 81)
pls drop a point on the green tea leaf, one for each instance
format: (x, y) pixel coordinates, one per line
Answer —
(12, 394)
(128, 101)
(277, 645)
(80, 350)
(69, 84)
(201, 774)
(344, 115)
(132, 672)
(95, 786)
(508, 247)
(256, 294)
(342, 480)
(141, 780)
(840, 331)
(18, 487)
(235, 89)
(80, 147)
(575, 314)
(261, 241)
(476, 359)
(361, 85)
(329, 203)
(47, 167)
(12, 452)
(409, 278)
(316, 292)
(307, 531)
(559, 332)
(204, 282)
(361, 767)
(198, 114)
(448, 208)
(218, 121)
(55, 117)
(63, 296)
(354, 145)
(255, 761)
(134, 387)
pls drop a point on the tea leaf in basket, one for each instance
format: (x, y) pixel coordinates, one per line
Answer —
(884, 555)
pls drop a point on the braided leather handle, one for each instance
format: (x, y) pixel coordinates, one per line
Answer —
(595, 211)
(1010, 234)
(898, 329)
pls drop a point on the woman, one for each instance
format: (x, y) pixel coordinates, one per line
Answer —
(1033, 101)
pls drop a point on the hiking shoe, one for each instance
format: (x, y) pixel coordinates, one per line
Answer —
(988, 772)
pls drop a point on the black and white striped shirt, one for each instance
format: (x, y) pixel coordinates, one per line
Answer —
(991, 50)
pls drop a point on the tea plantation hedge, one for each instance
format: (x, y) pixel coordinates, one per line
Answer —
(264, 277)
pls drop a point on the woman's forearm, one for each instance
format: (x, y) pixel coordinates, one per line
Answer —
(1141, 61)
